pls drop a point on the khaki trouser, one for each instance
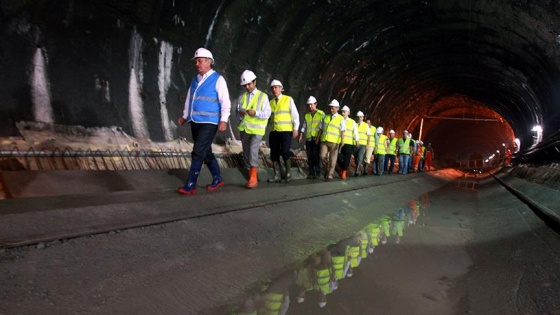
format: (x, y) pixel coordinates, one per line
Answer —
(329, 164)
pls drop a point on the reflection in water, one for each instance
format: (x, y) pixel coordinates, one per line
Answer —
(321, 273)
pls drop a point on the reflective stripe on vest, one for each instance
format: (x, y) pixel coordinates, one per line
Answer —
(324, 280)
(204, 102)
(282, 114)
(354, 253)
(253, 125)
(392, 146)
(312, 124)
(331, 129)
(380, 144)
(362, 130)
(349, 133)
(273, 303)
(404, 146)
(338, 266)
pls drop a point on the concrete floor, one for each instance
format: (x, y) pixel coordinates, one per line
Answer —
(473, 252)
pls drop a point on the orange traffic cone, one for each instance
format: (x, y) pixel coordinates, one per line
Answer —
(253, 180)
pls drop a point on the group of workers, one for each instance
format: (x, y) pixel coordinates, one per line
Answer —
(322, 272)
(331, 139)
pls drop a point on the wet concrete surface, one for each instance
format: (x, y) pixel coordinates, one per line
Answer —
(479, 252)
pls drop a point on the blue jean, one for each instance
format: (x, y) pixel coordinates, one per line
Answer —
(403, 163)
(359, 153)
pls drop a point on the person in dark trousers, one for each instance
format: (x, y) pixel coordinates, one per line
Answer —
(207, 110)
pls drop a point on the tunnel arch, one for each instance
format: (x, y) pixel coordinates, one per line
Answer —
(404, 60)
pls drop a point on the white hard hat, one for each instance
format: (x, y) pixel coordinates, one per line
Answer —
(334, 103)
(346, 108)
(203, 53)
(311, 100)
(392, 131)
(276, 83)
(322, 304)
(247, 77)
(379, 130)
(300, 299)
(360, 114)
(409, 136)
(405, 131)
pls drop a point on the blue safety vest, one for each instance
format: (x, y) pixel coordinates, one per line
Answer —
(204, 103)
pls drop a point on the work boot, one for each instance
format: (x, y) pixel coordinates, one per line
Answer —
(365, 171)
(253, 179)
(282, 169)
(343, 175)
(276, 169)
(217, 180)
(357, 173)
(288, 163)
(190, 186)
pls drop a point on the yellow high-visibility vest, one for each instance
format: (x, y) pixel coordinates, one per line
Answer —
(362, 131)
(331, 129)
(380, 144)
(282, 114)
(253, 125)
(312, 123)
(349, 133)
(404, 146)
(392, 146)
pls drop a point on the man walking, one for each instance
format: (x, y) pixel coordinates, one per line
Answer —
(312, 125)
(285, 126)
(331, 139)
(207, 110)
(253, 111)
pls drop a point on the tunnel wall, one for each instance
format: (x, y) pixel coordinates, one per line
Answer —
(128, 63)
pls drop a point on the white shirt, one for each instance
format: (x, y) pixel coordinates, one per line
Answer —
(223, 96)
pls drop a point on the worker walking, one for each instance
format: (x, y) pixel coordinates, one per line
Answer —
(350, 140)
(331, 139)
(391, 153)
(404, 148)
(253, 111)
(364, 138)
(381, 145)
(311, 128)
(207, 110)
(285, 126)
(369, 148)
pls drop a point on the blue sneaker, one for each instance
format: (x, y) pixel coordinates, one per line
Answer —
(188, 189)
(216, 182)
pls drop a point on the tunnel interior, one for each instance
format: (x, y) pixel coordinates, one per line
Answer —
(467, 76)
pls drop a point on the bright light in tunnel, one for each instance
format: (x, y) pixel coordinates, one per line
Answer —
(538, 137)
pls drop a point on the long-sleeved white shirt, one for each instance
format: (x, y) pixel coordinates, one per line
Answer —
(223, 96)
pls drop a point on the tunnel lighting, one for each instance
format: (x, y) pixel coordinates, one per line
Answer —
(537, 128)
(539, 134)
(503, 145)
(498, 151)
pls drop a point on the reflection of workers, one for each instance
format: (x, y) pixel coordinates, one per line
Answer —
(253, 111)
(350, 141)
(285, 126)
(331, 136)
(276, 299)
(325, 280)
(207, 110)
(312, 126)
(364, 138)
(398, 224)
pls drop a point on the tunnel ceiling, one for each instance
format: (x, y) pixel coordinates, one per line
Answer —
(467, 74)
(400, 61)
